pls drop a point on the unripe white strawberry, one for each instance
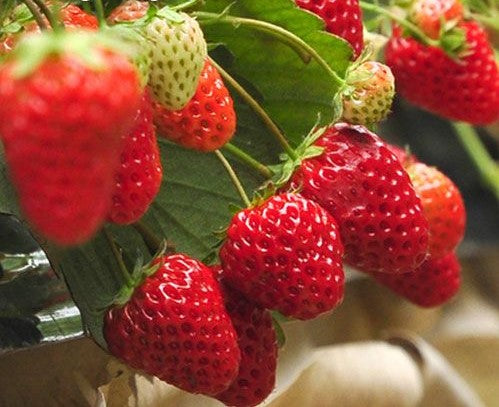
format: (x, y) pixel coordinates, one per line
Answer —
(369, 95)
(178, 51)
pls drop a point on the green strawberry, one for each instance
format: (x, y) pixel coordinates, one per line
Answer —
(178, 51)
(368, 98)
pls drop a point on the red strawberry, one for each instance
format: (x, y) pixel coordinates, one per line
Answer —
(443, 207)
(361, 183)
(174, 326)
(342, 17)
(70, 15)
(130, 10)
(428, 14)
(430, 285)
(139, 177)
(207, 122)
(258, 344)
(62, 125)
(466, 89)
(285, 254)
(403, 155)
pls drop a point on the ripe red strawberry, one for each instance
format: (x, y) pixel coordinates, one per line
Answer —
(361, 183)
(139, 177)
(432, 284)
(466, 89)
(207, 122)
(62, 124)
(130, 10)
(285, 254)
(443, 207)
(403, 155)
(342, 17)
(174, 326)
(258, 344)
(70, 15)
(428, 14)
(369, 96)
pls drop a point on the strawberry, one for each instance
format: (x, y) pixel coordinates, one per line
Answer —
(442, 205)
(465, 89)
(432, 284)
(429, 14)
(370, 93)
(178, 51)
(342, 17)
(139, 177)
(403, 155)
(70, 15)
(361, 183)
(207, 122)
(285, 254)
(258, 344)
(174, 326)
(130, 10)
(62, 119)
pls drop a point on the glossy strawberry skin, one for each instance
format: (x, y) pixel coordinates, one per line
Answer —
(207, 122)
(361, 183)
(428, 14)
(432, 284)
(138, 179)
(466, 90)
(285, 254)
(71, 15)
(258, 344)
(443, 206)
(342, 17)
(64, 163)
(175, 327)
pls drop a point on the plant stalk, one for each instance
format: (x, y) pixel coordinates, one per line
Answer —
(250, 161)
(486, 166)
(269, 123)
(234, 178)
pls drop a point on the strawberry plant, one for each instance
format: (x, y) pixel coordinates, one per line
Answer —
(198, 170)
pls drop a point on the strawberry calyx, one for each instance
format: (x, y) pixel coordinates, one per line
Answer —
(138, 275)
(165, 13)
(307, 149)
(86, 46)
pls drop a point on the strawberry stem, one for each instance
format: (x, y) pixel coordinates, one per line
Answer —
(414, 29)
(305, 51)
(233, 176)
(36, 14)
(125, 274)
(258, 110)
(250, 161)
(50, 16)
(486, 166)
(99, 11)
(186, 5)
(153, 242)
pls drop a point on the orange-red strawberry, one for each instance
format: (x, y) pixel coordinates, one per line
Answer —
(466, 88)
(207, 122)
(285, 254)
(361, 183)
(432, 284)
(429, 14)
(70, 15)
(139, 176)
(174, 326)
(258, 344)
(442, 205)
(61, 122)
(342, 17)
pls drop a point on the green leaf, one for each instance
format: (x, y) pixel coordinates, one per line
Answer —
(292, 92)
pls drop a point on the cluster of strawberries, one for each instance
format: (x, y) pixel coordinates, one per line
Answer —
(356, 200)
(76, 166)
